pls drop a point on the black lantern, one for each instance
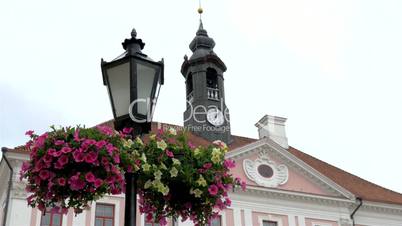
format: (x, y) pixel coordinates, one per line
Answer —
(133, 81)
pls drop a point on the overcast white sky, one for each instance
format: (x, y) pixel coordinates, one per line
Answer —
(333, 68)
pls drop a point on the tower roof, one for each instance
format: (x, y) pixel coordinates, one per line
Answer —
(202, 45)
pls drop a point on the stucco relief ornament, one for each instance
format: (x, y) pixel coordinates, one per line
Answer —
(265, 172)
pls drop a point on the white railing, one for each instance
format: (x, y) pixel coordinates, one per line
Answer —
(190, 97)
(213, 94)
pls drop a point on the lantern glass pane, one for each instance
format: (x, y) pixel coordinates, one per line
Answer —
(145, 80)
(119, 82)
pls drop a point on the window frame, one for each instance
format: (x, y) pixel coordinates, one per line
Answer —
(52, 213)
(269, 221)
(220, 221)
(103, 218)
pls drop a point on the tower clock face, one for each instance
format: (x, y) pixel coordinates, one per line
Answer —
(215, 117)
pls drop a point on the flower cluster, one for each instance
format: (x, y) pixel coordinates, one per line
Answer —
(177, 179)
(72, 166)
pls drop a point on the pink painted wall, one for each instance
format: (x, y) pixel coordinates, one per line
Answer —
(257, 215)
(70, 216)
(34, 214)
(296, 181)
(310, 221)
(229, 217)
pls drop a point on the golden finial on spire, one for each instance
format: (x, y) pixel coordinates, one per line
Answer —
(200, 10)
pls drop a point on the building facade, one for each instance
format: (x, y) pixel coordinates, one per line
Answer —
(285, 186)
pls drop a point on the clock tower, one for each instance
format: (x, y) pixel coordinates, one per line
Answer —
(206, 113)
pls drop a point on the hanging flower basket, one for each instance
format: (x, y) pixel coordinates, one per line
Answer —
(176, 179)
(72, 166)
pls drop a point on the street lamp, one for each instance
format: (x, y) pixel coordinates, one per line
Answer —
(133, 82)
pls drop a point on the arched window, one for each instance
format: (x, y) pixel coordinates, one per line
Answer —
(212, 84)
(189, 88)
(212, 78)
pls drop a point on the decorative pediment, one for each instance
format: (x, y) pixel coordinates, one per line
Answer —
(265, 172)
(266, 164)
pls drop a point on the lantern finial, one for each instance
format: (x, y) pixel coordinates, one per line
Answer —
(133, 33)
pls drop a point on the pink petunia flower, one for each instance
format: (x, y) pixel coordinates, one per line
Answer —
(66, 150)
(229, 163)
(98, 182)
(63, 160)
(91, 157)
(61, 181)
(213, 190)
(191, 145)
(228, 202)
(105, 130)
(44, 174)
(127, 130)
(29, 132)
(162, 221)
(47, 158)
(116, 158)
(90, 177)
(169, 153)
(77, 135)
(78, 156)
(207, 165)
(150, 217)
(76, 183)
(100, 144)
(110, 149)
(59, 142)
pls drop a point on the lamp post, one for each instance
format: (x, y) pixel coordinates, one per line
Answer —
(133, 82)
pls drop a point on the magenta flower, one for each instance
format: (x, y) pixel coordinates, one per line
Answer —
(213, 190)
(100, 144)
(91, 157)
(105, 161)
(75, 183)
(58, 165)
(78, 156)
(44, 174)
(191, 145)
(162, 221)
(150, 217)
(61, 181)
(98, 182)
(63, 160)
(40, 141)
(228, 202)
(57, 153)
(110, 149)
(169, 153)
(29, 132)
(90, 177)
(116, 158)
(59, 142)
(47, 158)
(207, 165)
(38, 166)
(51, 151)
(127, 130)
(66, 150)
(243, 185)
(105, 130)
(229, 163)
